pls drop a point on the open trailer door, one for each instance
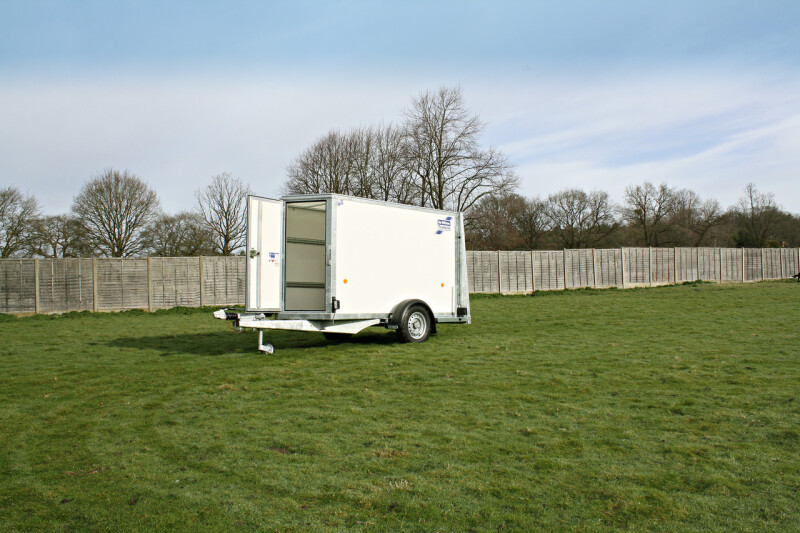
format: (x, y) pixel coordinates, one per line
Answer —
(264, 254)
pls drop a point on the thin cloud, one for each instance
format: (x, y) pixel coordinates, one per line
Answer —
(712, 132)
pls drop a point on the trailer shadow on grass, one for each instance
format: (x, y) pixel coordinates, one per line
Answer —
(225, 342)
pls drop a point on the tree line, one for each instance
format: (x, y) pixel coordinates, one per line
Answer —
(649, 215)
(116, 214)
(433, 158)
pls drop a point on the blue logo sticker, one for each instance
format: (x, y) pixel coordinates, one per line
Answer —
(443, 224)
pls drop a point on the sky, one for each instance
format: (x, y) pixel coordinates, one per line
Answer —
(699, 94)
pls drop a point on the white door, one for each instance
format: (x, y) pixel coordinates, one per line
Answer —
(264, 260)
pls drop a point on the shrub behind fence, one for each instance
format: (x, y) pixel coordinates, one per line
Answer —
(59, 285)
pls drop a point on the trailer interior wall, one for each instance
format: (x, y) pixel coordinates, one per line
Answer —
(305, 256)
(386, 254)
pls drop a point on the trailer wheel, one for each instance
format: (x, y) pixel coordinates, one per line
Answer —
(415, 325)
(335, 336)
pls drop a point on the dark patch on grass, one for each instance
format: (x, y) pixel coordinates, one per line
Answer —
(280, 449)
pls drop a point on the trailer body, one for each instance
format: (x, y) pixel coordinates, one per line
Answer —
(337, 264)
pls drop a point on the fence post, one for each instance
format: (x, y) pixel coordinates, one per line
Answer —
(719, 264)
(94, 284)
(564, 264)
(650, 264)
(36, 286)
(499, 274)
(622, 262)
(122, 280)
(743, 263)
(762, 264)
(200, 273)
(149, 285)
(675, 266)
(594, 273)
(533, 272)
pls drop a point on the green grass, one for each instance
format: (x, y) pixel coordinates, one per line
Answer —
(666, 409)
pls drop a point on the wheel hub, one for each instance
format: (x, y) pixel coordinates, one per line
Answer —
(417, 324)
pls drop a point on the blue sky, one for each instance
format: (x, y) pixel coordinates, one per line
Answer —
(598, 95)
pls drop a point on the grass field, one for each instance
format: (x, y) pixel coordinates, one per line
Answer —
(668, 409)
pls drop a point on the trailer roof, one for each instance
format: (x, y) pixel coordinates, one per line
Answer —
(327, 195)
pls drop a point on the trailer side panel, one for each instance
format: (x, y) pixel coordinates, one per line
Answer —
(386, 254)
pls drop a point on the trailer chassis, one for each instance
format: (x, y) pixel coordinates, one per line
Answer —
(412, 319)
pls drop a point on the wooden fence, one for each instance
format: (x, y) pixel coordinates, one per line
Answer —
(60, 285)
(546, 270)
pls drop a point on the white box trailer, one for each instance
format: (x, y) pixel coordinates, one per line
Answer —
(338, 264)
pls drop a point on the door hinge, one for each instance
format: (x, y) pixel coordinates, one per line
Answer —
(335, 304)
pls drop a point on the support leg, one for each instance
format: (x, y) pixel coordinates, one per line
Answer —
(264, 348)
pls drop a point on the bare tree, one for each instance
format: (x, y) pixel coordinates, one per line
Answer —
(580, 219)
(433, 159)
(326, 166)
(490, 223)
(757, 216)
(650, 210)
(368, 162)
(442, 151)
(533, 223)
(362, 152)
(59, 236)
(113, 209)
(506, 222)
(223, 206)
(392, 179)
(17, 214)
(696, 217)
(184, 234)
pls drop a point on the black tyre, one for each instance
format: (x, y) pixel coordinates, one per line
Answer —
(333, 336)
(415, 324)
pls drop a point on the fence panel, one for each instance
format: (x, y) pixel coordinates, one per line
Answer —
(608, 268)
(686, 264)
(65, 285)
(484, 267)
(732, 264)
(516, 273)
(790, 261)
(548, 270)
(636, 268)
(752, 264)
(579, 268)
(708, 264)
(486, 272)
(121, 284)
(174, 281)
(223, 280)
(771, 263)
(18, 290)
(662, 265)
